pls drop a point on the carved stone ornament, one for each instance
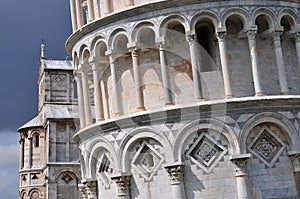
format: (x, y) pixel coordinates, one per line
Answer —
(276, 35)
(176, 173)
(83, 191)
(240, 164)
(221, 35)
(123, 183)
(251, 33)
(297, 36)
(191, 38)
(295, 158)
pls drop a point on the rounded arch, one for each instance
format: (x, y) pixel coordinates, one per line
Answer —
(139, 27)
(82, 50)
(23, 194)
(142, 133)
(76, 61)
(163, 26)
(205, 16)
(243, 15)
(197, 125)
(114, 35)
(290, 14)
(35, 132)
(34, 193)
(269, 117)
(96, 41)
(269, 15)
(95, 148)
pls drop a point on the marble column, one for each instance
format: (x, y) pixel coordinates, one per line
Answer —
(297, 40)
(137, 80)
(280, 63)
(99, 113)
(195, 66)
(91, 189)
(73, 15)
(123, 184)
(165, 75)
(254, 62)
(86, 99)
(240, 166)
(91, 11)
(225, 68)
(30, 153)
(129, 2)
(176, 174)
(80, 99)
(295, 159)
(116, 98)
(79, 14)
(107, 7)
(21, 153)
(83, 191)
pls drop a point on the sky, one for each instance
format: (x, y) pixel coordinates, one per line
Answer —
(24, 24)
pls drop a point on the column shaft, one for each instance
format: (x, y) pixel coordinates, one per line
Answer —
(86, 100)
(91, 12)
(129, 2)
(21, 153)
(165, 76)
(73, 15)
(280, 63)
(195, 66)
(107, 7)
(116, 101)
(137, 80)
(80, 100)
(254, 61)
(297, 40)
(225, 69)
(97, 96)
(30, 153)
(176, 175)
(79, 13)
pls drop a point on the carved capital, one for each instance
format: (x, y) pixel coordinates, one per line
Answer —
(83, 191)
(191, 38)
(161, 46)
(221, 35)
(296, 36)
(240, 164)
(134, 52)
(251, 33)
(276, 35)
(123, 183)
(91, 188)
(176, 173)
(295, 159)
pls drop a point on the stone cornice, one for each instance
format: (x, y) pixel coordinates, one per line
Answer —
(172, 113)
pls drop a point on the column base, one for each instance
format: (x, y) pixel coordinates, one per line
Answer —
(118, 114)
(142, 108)
(200, 100)
(169, 103)
(285, 93)
(229, 96)
(259, 94)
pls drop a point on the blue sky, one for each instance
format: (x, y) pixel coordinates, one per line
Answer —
(24, 24)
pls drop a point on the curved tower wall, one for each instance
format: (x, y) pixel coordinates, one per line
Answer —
(182, 97)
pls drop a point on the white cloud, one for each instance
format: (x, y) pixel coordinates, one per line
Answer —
(9, 163)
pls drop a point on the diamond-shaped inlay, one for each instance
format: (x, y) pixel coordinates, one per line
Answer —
(266, 146)
(147, 161)
(206, 152)
(67, 178)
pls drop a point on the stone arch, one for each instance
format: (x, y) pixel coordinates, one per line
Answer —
(194, 126)
(36, 138)
(205, 15)
(95, 42)
(76, 61)
(114, 36)
(34, 193)
(172, 18)
(269, 15)
(67, 183)
(290, 14)
(269, 117)
(145, 28)
(142, 133)
(96, 148)
(240, 12)
(85, 55)
(23, 194)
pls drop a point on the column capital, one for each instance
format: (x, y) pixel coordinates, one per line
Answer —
(123, 183)
(276, 35)
(240, 162)
(21, 141)
(221, 35)
(176, 172)
(296, 36)
(83, 191)
(295, 158)
(251, 32)
(191, 38)
(84, 5)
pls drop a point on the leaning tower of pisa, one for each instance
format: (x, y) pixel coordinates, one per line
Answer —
(187, 99)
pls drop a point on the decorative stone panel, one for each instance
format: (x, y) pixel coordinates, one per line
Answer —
(206, 152)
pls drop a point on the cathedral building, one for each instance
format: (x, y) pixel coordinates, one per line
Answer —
(175, 99)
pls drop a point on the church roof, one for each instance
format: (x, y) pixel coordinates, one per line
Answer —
(35, 122)
(57, 64)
